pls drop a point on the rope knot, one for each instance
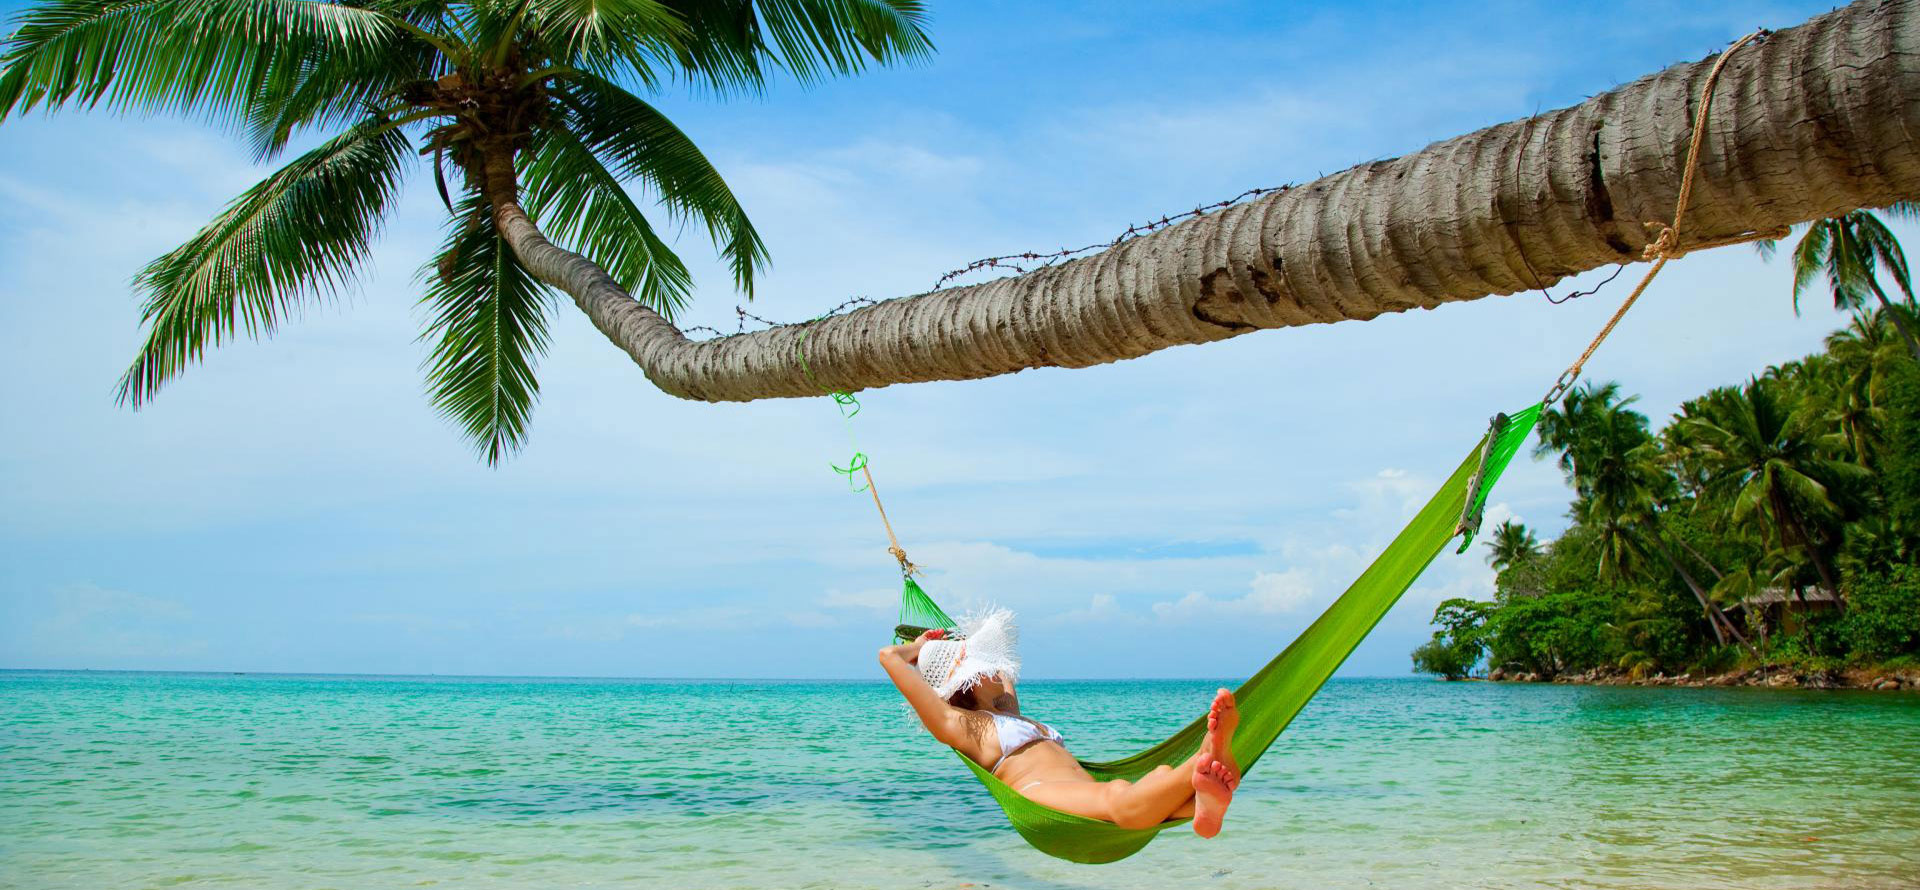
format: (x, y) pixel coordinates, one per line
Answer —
(906, 565)
(1665, 243)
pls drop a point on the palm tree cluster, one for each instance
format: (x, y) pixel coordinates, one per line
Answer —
(1804, 482)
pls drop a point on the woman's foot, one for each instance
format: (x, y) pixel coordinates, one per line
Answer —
(1217, 774)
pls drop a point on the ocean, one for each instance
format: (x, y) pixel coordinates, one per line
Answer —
(137, 780)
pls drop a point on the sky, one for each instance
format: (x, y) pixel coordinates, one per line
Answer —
(296, 505)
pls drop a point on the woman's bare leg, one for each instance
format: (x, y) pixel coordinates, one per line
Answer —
(1172, 791)
(1166, 793)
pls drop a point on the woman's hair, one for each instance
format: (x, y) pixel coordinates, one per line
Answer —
(964, 699)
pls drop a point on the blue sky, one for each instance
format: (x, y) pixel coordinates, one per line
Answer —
(296, 505)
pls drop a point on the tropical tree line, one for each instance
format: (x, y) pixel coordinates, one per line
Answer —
(1776, 522)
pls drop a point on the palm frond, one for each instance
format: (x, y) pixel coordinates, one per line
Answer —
(225, 59)
(817, 38)
(489, 328)
(299, 234)
(612, 38)
(492, 27)
(733, 43)
(581, 205)
(1810, 257)
(1883, 248)
(336, 89)
(1903, 210)
(636, 141)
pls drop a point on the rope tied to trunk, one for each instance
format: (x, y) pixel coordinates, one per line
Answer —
(1665, 244)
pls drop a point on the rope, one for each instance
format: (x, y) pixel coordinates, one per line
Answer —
(1664, 246)
(850, 406)
(893, 543)
(1666, 242)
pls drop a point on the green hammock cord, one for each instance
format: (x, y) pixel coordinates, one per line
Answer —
(1271, 698)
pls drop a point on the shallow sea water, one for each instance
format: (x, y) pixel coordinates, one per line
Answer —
(114, 780)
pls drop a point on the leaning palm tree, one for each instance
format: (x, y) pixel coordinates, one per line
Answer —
(525, 108)
(1510, 208)
(1848, 252)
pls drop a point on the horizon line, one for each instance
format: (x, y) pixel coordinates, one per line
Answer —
(651, 679)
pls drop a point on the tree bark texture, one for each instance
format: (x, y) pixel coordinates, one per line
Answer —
(1812, 122)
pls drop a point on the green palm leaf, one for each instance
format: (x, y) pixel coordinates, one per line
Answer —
(1882, 248)
(732, 42)
(221, 58)
(638, 142)
(613, 38)
(489, 327)
(818, 38)
(300, 233)
(1810, 257)
(581, 205)
(337, 91)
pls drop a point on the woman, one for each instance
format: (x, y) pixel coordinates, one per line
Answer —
(963, 691)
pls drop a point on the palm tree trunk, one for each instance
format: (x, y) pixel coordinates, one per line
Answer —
(1715, 617)
(1785, 511)
(1813, 122)
(1717, 575)
(1899, 321)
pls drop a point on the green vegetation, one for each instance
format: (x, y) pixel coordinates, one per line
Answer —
(1773, 524)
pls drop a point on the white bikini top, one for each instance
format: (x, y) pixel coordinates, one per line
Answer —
(1016, 733)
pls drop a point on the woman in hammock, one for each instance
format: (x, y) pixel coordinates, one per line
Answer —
(963, 691)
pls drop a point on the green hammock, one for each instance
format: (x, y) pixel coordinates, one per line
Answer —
(1269, 699)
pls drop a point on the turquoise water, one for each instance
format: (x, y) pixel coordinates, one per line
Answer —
(178, 780)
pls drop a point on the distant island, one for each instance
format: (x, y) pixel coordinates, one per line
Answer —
(1767, 535)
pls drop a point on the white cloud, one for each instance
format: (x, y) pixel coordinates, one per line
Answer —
(1498, 513)
(870, 598)
(1101, 608)
(1269, 593)
(1390, 493)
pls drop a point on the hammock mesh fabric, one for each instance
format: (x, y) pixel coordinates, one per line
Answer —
(1269, 699)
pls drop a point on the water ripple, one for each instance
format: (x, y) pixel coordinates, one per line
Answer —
(143, 780)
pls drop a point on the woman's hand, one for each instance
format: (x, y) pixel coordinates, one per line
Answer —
(910, 652)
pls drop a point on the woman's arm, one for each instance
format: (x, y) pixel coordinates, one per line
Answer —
(946, 722)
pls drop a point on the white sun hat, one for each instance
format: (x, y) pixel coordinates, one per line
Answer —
(986, 647)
